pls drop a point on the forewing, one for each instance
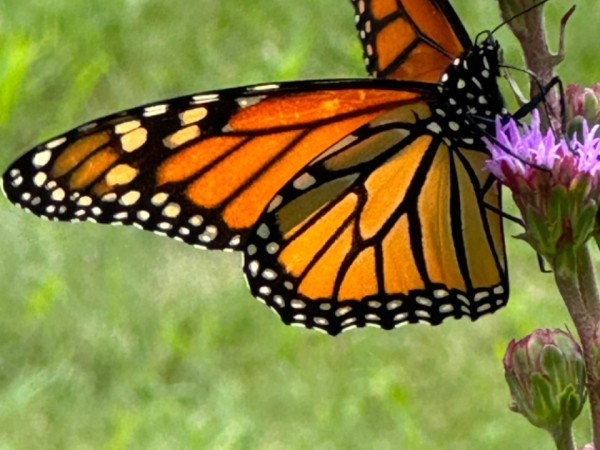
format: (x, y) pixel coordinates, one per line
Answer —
(409, 39)
(200, 168)
(392, 225)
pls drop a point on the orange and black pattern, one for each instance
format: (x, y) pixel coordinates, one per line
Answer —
(408, 39)
(201, 168)
(354, 202)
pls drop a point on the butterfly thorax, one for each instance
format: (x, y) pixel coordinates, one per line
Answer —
(470, 97)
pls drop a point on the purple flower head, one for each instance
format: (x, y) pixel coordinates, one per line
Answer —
(524, 153)
(555, 184)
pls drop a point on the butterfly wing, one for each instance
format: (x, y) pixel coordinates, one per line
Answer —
(201, 168)
(409, 39)
(394, 224)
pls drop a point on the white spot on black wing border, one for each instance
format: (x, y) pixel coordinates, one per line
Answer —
(279, 290)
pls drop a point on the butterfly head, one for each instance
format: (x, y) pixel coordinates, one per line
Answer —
(469, 88)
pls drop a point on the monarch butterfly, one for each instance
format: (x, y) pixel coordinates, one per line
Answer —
(354, 202)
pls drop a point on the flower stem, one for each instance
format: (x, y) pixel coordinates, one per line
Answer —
(564, 440)
(580, 293)
(587, 283)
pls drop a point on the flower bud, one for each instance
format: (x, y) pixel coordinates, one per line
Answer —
(546, 375)
(583, 106)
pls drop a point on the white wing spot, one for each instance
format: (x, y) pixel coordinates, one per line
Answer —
(39, 179)
(196, 221)
(400, 317)
(342, 311)
(394, 304)
(269, 274)
(204, 98)
(304, 181)
(159, 199)
(263, 87)
(130, 198)
(321, 321)
(264, 290)
(41, 159)
(121, 174)
(58, 195)
(424, 301)
(446, 308)
(209, 234)
(172, 210)
(272, 248)
(143, 215)
(155, 110)
(56, 142)
(263, 231)
(86, 200)
(297, 304)
(182, 136)
(275, 203)
(126, 127)
(133, 140)
(480, 296)
(192, 115)
(244, 102)
(434, 127)
(254, 267)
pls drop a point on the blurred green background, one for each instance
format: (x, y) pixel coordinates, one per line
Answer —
(112, 338)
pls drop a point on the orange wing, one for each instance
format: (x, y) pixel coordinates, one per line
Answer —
(409, 39)
(200, 168)
(395, 224)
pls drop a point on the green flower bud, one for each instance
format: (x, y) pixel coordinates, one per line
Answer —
(546, 375)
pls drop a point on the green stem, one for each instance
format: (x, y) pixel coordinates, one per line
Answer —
(587, 283)
(564, 440)
(573, 286)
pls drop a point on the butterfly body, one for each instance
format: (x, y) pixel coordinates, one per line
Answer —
(354, 202)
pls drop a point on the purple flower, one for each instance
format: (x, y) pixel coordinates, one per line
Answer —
(555, 182)
(525, 152)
